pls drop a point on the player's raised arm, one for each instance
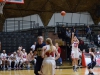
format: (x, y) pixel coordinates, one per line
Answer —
(72, 37)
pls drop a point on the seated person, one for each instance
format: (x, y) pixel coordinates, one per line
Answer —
(31, 59)
(19, 58)
(24, 57)
(13, 60)
(4, 60)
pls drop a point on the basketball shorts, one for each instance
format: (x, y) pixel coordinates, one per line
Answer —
(74, 54)
(24, 59)
(91, 65)
(48, 67)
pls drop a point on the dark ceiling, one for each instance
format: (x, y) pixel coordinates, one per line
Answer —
(46, 8)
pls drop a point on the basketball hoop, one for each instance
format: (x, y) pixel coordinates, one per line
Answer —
(2, 3)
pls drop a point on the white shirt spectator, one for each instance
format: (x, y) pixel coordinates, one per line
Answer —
(98, 37)
(3, 56)
(13, 56)
(33, 47)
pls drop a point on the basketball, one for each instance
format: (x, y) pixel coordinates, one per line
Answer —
(63, 13)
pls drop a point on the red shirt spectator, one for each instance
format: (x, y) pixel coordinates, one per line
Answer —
(81, 42)
(59, 50)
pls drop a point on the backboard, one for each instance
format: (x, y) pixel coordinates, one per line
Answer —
(15, 1)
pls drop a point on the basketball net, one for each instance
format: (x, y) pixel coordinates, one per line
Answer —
(2, 3)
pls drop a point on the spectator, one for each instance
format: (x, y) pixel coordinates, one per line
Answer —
(98, 43)
(33, 46)
(72, 29)
(67, 30)
(88, 32)
(12, 60)
(81, 44)
(59, 60)
(63, 32)
(31, 59)
(68, 36)
(99, 39)
(4, 60)
(86, 47)
(59, 32)
(76, 32)
(91, 45)
(68, 33)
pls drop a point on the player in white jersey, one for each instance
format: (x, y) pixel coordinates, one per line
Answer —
(4, 59)
(48, 53)
(19, 57)
(75, 52)
(13, 59)
(24, 56)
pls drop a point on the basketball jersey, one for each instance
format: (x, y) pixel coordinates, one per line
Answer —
(19, 55)
(24, 55)
(13, 56)
(91, 56)
(38, 48)
(75, 46)
(47, 54)
(3, 56)
(30, 57)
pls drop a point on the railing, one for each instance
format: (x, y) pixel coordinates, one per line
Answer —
(18, 25)
(69, 24)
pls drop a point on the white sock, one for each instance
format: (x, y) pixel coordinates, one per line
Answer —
(75, 66)
(28, 65)
(4, 66)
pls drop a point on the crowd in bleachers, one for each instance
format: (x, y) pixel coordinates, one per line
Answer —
(20, 59)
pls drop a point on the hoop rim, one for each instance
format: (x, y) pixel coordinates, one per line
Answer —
(12, 2)
(1, 0)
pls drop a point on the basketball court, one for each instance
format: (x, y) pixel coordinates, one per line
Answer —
(60, 71)
(82, 71)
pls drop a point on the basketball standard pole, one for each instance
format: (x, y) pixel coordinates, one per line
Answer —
(14, 24)
(62, 20)
(55, 25)
(70, 40)
(71, 18)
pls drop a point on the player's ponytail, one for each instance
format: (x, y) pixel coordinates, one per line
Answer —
(49, 41)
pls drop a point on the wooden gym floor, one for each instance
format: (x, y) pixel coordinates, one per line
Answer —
(81, 71)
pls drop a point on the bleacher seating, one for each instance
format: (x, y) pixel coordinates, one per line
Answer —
(11, 40)
(95, 39)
